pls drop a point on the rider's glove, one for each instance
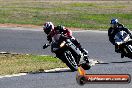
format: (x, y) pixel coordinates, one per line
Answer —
(45, 46)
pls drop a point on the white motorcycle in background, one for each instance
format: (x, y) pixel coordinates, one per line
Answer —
(68, 52)
(124, 42)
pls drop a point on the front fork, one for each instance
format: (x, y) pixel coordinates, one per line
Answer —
(123, 49)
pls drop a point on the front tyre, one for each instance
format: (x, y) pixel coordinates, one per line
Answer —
(70, 61)
(128, 49)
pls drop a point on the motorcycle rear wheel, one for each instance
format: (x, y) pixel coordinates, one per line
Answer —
(86, 66)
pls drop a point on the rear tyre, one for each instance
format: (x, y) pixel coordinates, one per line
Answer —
(86, 66)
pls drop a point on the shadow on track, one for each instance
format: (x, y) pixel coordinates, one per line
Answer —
(123, 62)
(116, 62)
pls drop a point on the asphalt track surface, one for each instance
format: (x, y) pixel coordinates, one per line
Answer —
(96, 42)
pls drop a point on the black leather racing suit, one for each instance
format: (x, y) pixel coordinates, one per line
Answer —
(113, 31)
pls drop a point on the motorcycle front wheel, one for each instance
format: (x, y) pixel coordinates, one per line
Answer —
(70, 61)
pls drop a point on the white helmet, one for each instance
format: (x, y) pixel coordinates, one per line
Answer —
(47, 27)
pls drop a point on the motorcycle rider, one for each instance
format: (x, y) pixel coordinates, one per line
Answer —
(113, 30)
(51, 30)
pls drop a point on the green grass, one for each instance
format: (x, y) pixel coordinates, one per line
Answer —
(94, 15)
(17, 63)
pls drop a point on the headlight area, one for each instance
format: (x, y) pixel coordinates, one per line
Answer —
(62, 44)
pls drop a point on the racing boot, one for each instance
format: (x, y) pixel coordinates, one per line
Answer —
(85, 52)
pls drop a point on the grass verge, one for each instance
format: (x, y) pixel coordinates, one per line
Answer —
(18, 63)
(93, 15)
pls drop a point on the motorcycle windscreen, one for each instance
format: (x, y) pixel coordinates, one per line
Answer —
(120, 37)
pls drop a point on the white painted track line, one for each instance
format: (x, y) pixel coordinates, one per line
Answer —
(14, 75)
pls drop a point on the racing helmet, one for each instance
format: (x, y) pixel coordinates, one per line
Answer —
(60, 28)
(114, 22)
(47, 27)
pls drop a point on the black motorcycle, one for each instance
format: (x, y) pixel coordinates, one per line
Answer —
(124, 42)
(68, 52)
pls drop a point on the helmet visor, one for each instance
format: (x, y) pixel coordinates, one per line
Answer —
(114, 25)
(47, 30)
